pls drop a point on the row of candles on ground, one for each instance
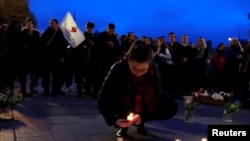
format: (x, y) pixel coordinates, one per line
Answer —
(130, 117)
(202, 139)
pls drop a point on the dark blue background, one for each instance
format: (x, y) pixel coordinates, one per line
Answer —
(215, 20)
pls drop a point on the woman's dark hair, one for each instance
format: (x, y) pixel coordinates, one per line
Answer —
(139, 52)
(220, 44)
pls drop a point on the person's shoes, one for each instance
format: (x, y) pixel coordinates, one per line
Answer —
(30, 94)
(45, 94)
(25, 94)
(121, 132)
(141, 130)
(33, 91)
(61, 93)
(87, 94)
(67, 90)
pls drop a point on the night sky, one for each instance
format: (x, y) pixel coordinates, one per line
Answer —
(215, 20)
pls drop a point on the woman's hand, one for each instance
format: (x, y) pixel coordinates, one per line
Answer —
(137, 119)
(124, 123)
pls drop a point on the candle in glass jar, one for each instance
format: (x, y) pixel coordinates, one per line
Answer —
(177, 139)
(130, 117)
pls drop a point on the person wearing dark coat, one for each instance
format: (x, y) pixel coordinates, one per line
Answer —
(133, 85)
(29, 56)
(3, 63)
(174, 48)
(233, 56)
(54, 46)
(85, 63)
(218, 62)
(245, 77)
(13, 44)
(108, 52)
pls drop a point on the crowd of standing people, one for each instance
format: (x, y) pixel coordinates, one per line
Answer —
(48, 56)
(130, 75)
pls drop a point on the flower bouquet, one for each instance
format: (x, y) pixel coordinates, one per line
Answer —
(189, 106)
(211, 97)
(230, 109)
(9, 101)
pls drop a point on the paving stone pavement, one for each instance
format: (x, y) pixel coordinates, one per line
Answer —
(70, 118)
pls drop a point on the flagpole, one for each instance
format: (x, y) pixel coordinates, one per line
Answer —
(248, 17)
(74, 15)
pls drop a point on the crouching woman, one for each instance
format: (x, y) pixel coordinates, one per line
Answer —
(133, 85)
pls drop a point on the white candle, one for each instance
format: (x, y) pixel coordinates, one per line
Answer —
(203, 139)
(119, 139)
(177, 139)
(130, 117)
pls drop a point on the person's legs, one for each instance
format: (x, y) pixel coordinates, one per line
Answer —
(68, 76)
(166, 108)
(141, 129)
(22, 81)
(244, 93)
(45, 70)
(79, 79)
(33, 78)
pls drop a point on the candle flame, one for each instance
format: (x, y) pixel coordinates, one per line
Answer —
(130, 117)
(203, 139)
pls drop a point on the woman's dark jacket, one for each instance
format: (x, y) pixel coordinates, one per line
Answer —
(117, 93)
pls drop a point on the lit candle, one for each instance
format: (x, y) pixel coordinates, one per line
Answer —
(130, 117)
(119, 139)
(203, 139)
(177, 139)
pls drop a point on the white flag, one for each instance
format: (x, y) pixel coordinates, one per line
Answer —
(71, 31)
